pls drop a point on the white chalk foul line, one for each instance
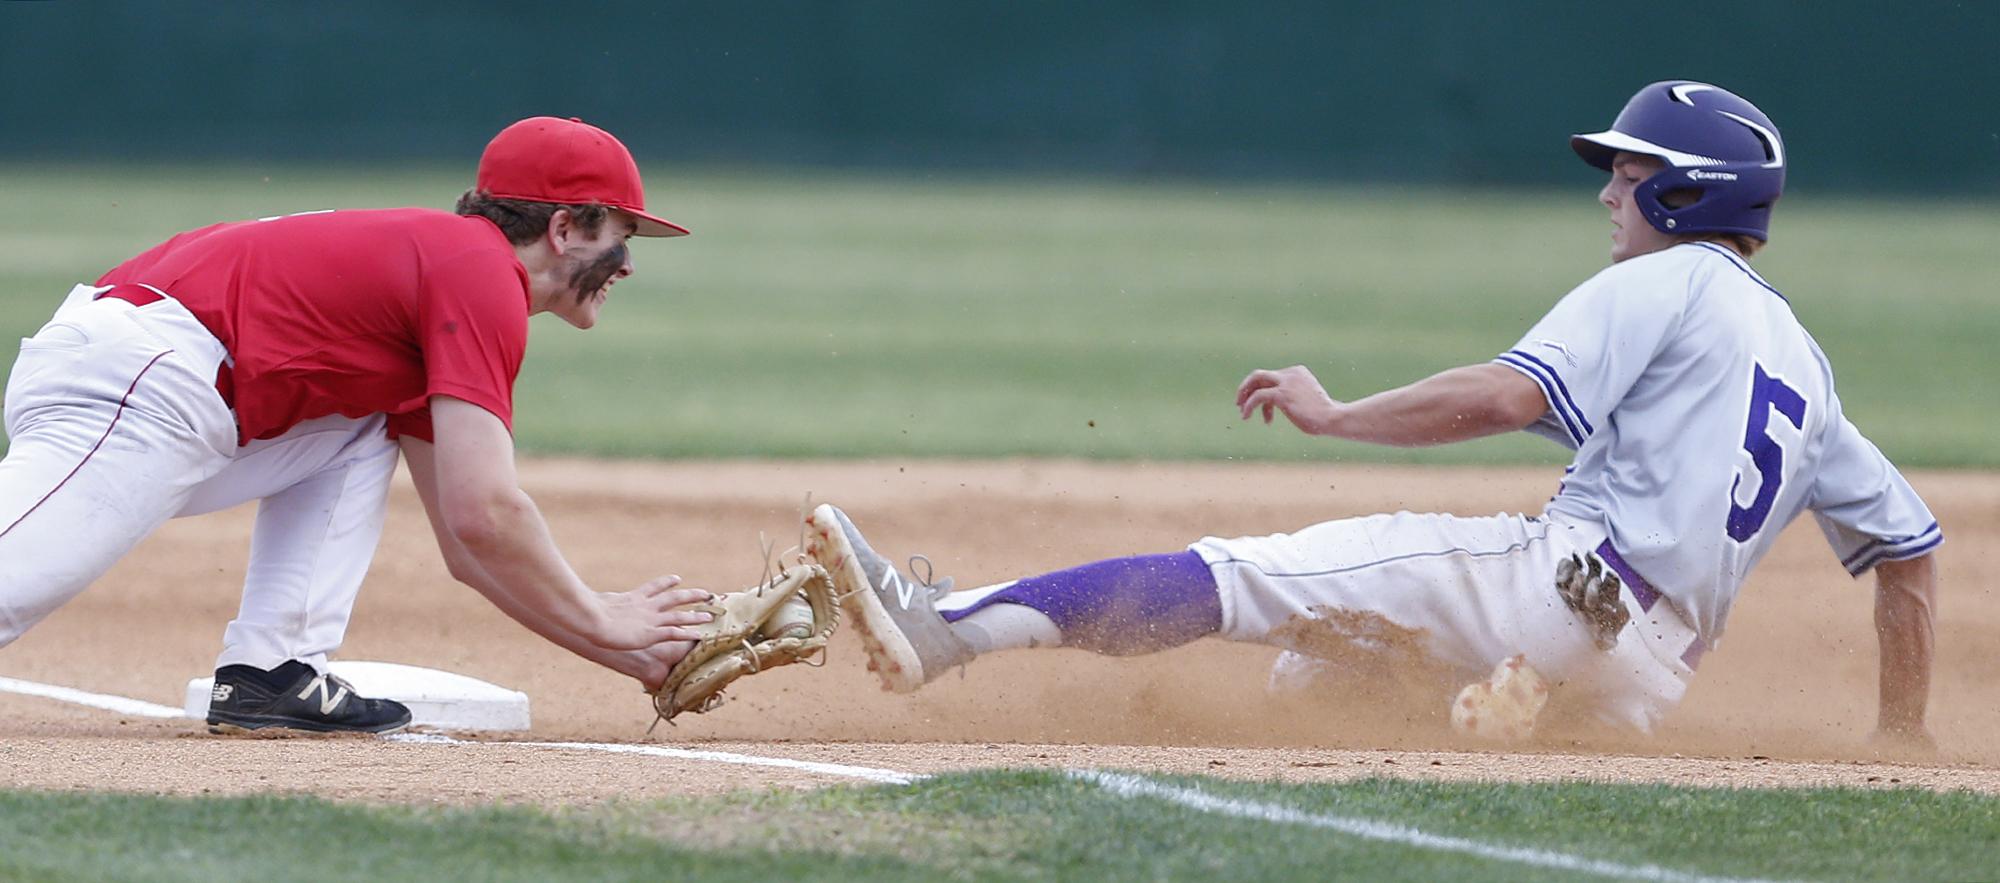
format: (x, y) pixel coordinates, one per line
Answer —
(1118, 784)
(118, 704)
(872, 774)
(1134, 786)
(138, 708)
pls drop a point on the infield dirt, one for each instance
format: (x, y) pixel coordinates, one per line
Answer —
(1787, 699)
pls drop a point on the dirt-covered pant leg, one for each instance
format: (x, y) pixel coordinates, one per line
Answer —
(1471, 591)
(323, 488)
(112, 419)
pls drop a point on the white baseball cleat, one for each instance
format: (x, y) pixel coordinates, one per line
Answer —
(1504, 706)
(908, 642)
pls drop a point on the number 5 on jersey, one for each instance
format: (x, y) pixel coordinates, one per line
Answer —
(1767, 394)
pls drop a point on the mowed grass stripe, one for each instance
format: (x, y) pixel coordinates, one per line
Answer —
(849, 316)
(1018, 825)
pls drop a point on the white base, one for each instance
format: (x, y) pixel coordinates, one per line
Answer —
(436, 698)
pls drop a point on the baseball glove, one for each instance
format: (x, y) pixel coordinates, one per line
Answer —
(785, 620)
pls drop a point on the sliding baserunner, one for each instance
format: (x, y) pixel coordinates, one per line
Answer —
(1703, 418)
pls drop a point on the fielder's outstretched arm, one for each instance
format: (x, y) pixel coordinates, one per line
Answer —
(650, 666)
(1905, 601)
(1456, 405)
(481, 506)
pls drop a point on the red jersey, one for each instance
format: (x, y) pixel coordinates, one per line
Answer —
(352, 313)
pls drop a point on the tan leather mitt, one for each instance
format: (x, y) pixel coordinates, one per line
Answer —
(783, 621)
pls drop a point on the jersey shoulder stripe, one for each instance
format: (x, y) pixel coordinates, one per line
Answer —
(1893, 549)
(1903, 555)
(1548, 391)
(1558, 392)
(1889, 541)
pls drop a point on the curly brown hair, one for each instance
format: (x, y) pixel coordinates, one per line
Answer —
(525, 221)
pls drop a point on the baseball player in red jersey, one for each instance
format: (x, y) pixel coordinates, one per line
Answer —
(289, 360)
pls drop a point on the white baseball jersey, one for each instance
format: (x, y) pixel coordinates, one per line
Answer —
(1704, 420)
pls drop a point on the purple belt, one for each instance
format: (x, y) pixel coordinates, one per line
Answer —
(1642, 591)
(1647, 596)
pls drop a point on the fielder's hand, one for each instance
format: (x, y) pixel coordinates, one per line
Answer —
(783, 621)
(650, 666)
(1294, 391)
(650, 614)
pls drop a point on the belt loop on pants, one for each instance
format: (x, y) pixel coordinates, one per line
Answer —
(141, 294)
(1647, 597)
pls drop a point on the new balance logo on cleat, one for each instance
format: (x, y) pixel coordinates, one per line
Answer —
(905, 591)
(329, 698)
(220, 693)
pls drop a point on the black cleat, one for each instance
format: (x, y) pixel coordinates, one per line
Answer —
(294, 696)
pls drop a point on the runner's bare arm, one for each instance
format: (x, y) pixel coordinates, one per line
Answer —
(1463, 403)
(1905, 600)
(649, 666)
(482, 508)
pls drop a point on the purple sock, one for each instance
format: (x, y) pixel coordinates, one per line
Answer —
(1121, 606)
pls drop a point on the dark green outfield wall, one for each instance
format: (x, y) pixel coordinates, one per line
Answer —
(1871, 96)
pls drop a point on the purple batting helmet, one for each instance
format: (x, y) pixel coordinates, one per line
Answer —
(1713, 143)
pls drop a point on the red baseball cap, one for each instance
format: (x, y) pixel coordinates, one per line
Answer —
(546, 159)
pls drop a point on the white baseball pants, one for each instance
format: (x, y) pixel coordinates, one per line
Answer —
(1478, 590)
(114, 426)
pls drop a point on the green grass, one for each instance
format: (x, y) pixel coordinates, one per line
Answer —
(816, 315)
(1010, 825)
